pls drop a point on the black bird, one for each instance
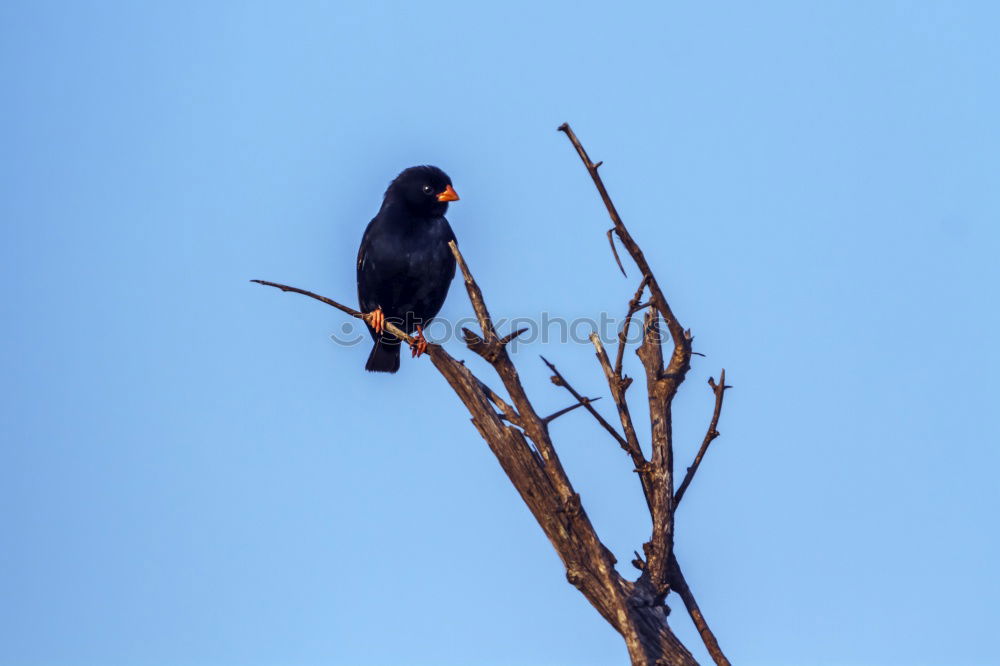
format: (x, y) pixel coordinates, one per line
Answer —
(404, 264)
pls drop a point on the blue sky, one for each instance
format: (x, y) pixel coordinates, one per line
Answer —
(192, 473)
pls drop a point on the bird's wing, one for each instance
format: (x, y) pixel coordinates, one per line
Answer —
(367, 277)
(365, 242)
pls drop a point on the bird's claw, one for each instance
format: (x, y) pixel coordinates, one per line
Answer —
(376, 319)
(419, 345)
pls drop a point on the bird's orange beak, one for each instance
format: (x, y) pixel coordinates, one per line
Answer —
(449, 194)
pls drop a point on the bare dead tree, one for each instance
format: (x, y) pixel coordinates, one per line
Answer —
(520, 439)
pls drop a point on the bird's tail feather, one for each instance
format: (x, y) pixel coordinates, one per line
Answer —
(384, 358)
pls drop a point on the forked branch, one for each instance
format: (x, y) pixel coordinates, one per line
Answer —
(659, 570)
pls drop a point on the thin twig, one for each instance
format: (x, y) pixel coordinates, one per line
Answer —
(619, 397)
(475, 296)
(322, 299)
(633, 307)
(364, 316)
(614, 250)
(566, 410)
(559, 380)
(720, 391)
(617, 387)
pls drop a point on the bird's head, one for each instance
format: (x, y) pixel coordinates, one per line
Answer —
(424, 190)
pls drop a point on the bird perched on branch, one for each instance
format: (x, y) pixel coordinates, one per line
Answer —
(404, 264)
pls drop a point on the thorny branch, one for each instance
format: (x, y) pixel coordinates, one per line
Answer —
(520, 439)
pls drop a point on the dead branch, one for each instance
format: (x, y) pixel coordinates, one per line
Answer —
(633, 307)
(508, 412)
(637, 631)
(679, 584)
(585, 402)
(389, 326)
(661, 383)
(617, 386)
(660, 398)
(676, 330)
(521, 442)
(719, 390)
(559, 380)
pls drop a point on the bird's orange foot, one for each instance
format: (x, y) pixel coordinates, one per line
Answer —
(376, 319)
(419, 346)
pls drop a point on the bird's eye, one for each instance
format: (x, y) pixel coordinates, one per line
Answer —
(428, 189)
